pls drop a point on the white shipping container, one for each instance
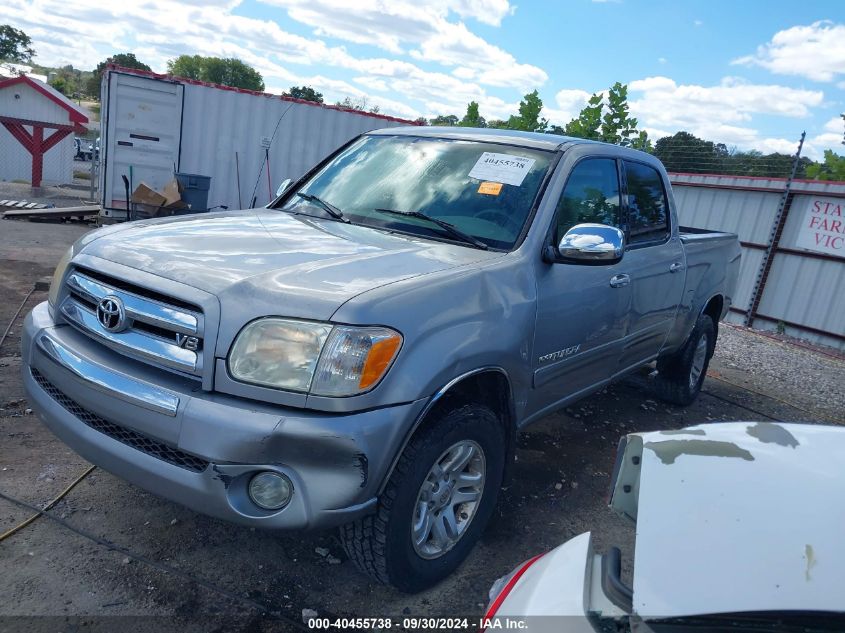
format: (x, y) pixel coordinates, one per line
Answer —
(247, 142)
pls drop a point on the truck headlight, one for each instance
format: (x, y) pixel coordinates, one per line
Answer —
(316, 358)
(58, 277)
(279, 353)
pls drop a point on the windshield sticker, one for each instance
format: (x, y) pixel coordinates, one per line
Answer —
(504, 168)
(490, 188)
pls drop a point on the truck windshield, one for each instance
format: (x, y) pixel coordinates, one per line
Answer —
(483, 190)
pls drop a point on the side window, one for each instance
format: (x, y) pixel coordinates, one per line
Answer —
(648, 211)
(591, 195)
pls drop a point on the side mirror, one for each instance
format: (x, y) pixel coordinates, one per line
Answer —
(591, 244)
(284, 185)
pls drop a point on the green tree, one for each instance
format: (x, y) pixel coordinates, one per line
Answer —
(447, 119)
(362, 104)
(529, 119)
(126, 60)
(498, 124)
(684, 152)
(421, 121)
(609, 121)
(224, 71)
(472, 118)
(15, 45)
(61, 84)
(306, 93)
(67, 80)
(833, 168)
(588, 122)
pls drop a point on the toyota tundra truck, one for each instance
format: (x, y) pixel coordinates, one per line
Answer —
(362, 352)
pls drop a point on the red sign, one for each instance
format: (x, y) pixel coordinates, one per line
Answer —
(823, 227)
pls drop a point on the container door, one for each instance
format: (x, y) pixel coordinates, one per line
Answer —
(142, 121)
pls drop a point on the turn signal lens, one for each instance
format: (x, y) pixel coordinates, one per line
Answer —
(354, 359)
(378, 360)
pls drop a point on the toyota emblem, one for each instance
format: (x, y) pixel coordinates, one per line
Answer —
(111, 314)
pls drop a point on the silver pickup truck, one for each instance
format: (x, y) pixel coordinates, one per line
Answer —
(362, 352)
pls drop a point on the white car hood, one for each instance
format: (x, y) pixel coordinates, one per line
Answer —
(736, 517)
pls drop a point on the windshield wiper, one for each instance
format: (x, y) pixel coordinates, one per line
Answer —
(329, 208)
(451, 229)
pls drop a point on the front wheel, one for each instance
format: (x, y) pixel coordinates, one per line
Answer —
(679, 377)
(435, 505)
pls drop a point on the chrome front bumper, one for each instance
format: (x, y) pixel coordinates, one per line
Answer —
(163, 433)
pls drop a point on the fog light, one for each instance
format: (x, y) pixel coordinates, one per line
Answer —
(269, 490)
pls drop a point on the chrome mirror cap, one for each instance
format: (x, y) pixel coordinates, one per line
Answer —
(284, 185)
(592, 244)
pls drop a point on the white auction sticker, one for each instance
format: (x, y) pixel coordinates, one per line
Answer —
(505, 168)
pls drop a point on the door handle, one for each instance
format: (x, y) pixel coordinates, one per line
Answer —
(675, 267)
(617, 281)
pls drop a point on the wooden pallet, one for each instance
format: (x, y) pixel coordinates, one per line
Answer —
(21, 204)
(51, 213)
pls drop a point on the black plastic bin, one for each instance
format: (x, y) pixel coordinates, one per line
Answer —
(194, 190)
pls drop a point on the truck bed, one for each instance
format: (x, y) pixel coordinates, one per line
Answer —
(689, 234)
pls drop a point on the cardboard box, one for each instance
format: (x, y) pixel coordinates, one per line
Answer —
(144, 194)
(173, 195)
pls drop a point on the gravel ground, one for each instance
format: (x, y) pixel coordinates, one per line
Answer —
(803, 378)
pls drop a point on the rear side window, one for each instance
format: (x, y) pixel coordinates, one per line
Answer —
(591, 195)
(648, 211)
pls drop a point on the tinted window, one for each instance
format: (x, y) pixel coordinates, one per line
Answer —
(648, 212)
(591, 195)
(432, 176)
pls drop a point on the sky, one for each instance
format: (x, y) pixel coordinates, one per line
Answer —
(752, 74)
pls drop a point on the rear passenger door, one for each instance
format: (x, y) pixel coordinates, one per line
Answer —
(654, 260)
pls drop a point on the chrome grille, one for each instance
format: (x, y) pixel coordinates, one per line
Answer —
(126, 436)
(154, 325)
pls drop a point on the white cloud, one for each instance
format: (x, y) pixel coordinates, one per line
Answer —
(836, 126)
(158, 30)
(373, 83)
(816, 51)
(725, 112)
(661, 102)
(697, 22)
(569, 103)
(662, 60)
(456, 45)
(422, 30)
(487, 11)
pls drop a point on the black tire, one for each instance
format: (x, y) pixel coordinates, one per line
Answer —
(380, 544)
(674, 381)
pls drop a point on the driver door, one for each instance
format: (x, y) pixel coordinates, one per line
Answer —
(582, 310)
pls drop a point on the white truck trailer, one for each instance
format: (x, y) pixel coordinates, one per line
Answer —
(248, 142)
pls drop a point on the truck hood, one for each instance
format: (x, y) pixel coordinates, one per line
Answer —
(735, 517)
(273, 262)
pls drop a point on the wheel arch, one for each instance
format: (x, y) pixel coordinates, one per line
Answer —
(713, 308)
(473, 386)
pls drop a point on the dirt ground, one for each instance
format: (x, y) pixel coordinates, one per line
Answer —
(110, 549)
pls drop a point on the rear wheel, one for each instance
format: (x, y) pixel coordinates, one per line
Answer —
(680, 376)
(435, 505)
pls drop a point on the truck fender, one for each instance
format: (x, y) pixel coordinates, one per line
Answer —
(438, 395)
